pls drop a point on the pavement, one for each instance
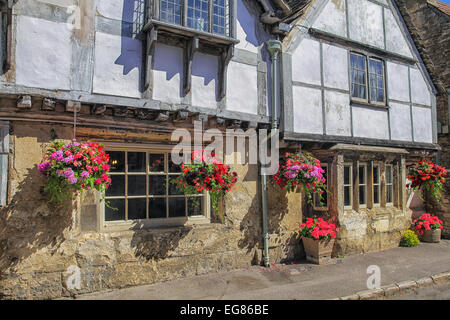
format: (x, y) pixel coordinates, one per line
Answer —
(402, 270)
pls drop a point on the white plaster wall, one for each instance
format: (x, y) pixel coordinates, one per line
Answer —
(242, 88)
(112, 9)
(422, 123)
(420, 92)
(204, 80)
(43, 54)
(395, 41)
(117, 63)
(366, 22)
(307, 110)
(167, 73)
(398, 81)
(370, 123)
(337, 114)
(306, 62)
(333, 18)
(400, 116)
(335, 67)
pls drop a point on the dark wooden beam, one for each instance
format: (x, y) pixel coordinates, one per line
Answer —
(191, 46)
(225, 58)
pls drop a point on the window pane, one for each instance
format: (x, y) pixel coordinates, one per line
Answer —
(177, 207)
(195, 206)
(376, 194)
(389, 194)
(137, 185)
(136, 161)
(376, 174)
(220, 16)
(362, 194)
(156, 162)
(157, 185)
(117, 161)
(157, 208)
(137, 209)
(173, 190)
(380, 95)
(174, 168)
(347, 175)
(388, 174)
(347, 196)
(115, 210)
(198, 14)
(362, 92)
(361, 63)
(170, 11)
(362, 175)
(117, 187)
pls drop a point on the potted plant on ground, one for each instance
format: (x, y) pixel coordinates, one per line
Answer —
(318, 238)
(72, 167)
(206, 172)
(429, 228)
(301, 169)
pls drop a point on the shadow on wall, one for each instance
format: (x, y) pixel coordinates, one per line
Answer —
(248, 13)
(29, 224)
(131, 37)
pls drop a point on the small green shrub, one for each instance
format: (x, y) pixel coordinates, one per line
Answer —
(409, 239)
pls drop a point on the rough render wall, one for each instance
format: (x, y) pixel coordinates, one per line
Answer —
(430, 29)
(39, 243)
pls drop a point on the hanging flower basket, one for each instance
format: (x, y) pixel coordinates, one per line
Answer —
(428, 176)
(206, 172)
(318, 238)
(301, 169)
(428, 227)
(73, 167)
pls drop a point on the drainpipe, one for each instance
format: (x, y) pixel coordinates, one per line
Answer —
(274, 48)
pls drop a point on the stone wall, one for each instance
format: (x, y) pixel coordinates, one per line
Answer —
(39, 243)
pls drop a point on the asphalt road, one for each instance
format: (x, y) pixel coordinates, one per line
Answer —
(437, 292)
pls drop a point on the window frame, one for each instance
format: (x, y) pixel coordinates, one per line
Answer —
(327, 206)
(154, 17)
(383, 67)
(119, 225)
(367, 100)
(376, 185)
(365, 185)
(389, 204)
(350, 185)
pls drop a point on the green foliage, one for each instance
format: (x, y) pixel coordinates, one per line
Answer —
(409, 239)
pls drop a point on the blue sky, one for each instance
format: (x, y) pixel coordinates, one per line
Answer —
(446, 1)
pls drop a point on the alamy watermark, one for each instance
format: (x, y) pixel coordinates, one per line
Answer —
(235, 151)
(374, 280)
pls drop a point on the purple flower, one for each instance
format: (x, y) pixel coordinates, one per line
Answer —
(44, 167)
(84, 175)
(68, 173)
(68, 159)
(72, 180)
(59, 153)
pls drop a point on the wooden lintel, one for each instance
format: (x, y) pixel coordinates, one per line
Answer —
(191, 47)
(225, 58)
(181, 116)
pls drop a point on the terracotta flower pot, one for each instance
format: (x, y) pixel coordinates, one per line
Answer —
(318, 251)
(432, 236)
